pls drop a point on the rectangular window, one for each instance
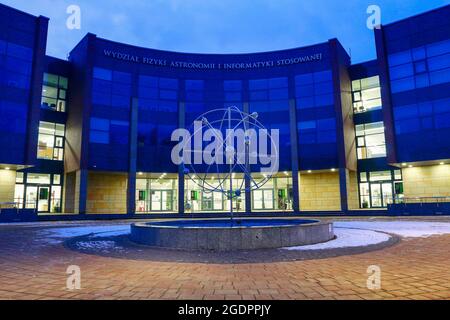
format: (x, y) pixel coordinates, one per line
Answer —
(21, 52)
(380, 176)
(37, 178)
(51, 141)
(274, 89)
(371, 142)
(167, 83)
(19, 177)
(195, 84)
(267, 84)
(102, 74)
(420, 67)
(56, 179)
(19, 193)
(54, 92)
(314, 90)
(99, 131)
(233, 85)
(366, 94)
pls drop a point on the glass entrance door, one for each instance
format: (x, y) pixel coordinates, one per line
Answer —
(268, 199)
(44, 199)
(162, 200)
(258, 200)
(207, 201)
(166, 200)
(156, 201)
(381, 194)
(31, 197)
(376, 195)
(387, 193)
(212, 201)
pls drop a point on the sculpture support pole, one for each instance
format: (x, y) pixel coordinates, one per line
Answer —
(231, 169)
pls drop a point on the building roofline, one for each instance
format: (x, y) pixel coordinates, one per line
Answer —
(56, 58)
(416, 15)
(23, 12)
(201, 54)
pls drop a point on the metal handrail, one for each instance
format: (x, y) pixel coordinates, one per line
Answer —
(2, 204)
(421, 200)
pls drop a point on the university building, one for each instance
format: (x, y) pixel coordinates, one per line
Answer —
(90, 136)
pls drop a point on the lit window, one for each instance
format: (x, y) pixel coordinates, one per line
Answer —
(56, 179)
(19, 177)
(370, 140)
(380, 176)
(51, 141)
(366, 94)
(38, 178)
(54, 92)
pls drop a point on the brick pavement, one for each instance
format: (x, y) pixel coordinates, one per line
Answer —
(30, 268)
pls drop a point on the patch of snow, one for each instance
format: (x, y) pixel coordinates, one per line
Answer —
(104, 246)
(58, 235)
(347, 238)
(407, 229)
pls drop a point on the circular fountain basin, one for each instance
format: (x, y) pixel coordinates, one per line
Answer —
(224, 235)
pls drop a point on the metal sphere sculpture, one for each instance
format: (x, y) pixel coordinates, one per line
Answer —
(228, 120)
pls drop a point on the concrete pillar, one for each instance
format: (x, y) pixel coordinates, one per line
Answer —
(36, 90)
(81, 184)
(294, 156)
(131, 185)
(343, 189)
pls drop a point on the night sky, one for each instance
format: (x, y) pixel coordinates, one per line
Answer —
(225, 26)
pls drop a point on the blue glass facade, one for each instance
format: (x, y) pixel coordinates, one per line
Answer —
(418, 62)
(346, 131)
(316, 120)
(158, 118)
(109, 120)
(162, 91)
(270, 99)
(17, 43)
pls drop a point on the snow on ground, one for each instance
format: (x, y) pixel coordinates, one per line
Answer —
(350, 233)
(348, 238)
(58, 235)
(407, 229)
(363, 233)
(104, 246)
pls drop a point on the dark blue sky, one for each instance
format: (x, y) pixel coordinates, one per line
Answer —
(222, 26)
